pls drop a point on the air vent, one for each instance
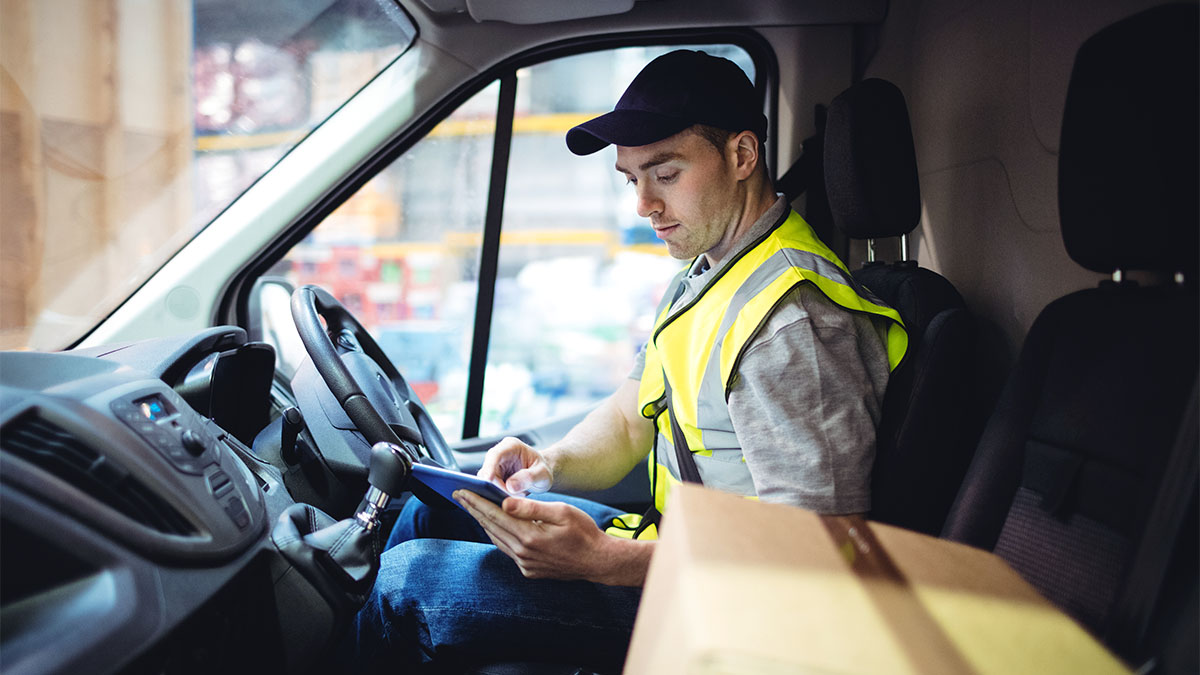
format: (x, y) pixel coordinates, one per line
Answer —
(57, 451)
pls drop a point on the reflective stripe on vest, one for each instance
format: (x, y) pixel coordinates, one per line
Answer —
(698, 346)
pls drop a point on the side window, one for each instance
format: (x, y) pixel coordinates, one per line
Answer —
(578, 274)
(402, 255)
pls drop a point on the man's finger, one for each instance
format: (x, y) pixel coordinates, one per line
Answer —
(528, 480)
(490, 470)
(488, 514)
(530, 510)
(498, 540)
(490, 518)
(477, 506)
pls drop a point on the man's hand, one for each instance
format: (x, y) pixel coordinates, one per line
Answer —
(553, 540)
(516, 467)
(595, 454)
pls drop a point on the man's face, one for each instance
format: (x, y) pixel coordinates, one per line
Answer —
(687, 188)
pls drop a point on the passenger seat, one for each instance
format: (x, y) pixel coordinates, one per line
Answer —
(1085, 479)
(926, 431)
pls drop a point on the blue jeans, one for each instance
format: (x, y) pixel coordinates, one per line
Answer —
(446, 597)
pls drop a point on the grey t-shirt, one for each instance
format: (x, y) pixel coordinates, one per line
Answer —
(807, 396)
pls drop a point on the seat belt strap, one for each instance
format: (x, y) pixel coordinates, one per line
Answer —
(688, 470)
(1148, 568)
(808, 171)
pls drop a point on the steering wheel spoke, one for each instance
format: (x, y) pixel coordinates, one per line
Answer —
(364, 382)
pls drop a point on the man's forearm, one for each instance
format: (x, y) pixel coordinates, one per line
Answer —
(600, 450)
(625, 563)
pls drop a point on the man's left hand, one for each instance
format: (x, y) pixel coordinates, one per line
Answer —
(553, 540)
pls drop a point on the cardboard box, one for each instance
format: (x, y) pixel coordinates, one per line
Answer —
(738, 586)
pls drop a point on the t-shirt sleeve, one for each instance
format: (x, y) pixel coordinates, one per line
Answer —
(639, 364)
(808, 436)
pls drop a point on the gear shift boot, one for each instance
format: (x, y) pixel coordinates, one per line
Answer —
(341, 558)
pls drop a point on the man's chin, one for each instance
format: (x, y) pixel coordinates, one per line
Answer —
(679, 253)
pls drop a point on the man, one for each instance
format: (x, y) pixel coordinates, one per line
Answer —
(764, 377)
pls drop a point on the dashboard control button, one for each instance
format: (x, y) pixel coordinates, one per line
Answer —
(237, 512)
(193, 442)
(219, 483)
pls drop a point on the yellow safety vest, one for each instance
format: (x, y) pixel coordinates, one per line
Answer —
(698, 346)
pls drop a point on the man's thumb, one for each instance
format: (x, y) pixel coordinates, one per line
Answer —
(526, 481)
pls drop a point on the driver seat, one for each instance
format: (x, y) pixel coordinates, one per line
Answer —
(927, 425)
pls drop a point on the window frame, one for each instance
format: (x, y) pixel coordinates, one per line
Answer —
(235, 302)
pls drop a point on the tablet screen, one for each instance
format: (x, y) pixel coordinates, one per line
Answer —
(445, 482)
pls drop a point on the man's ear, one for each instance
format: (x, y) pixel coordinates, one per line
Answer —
(746, 157)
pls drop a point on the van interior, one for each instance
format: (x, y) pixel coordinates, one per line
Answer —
(243, 244)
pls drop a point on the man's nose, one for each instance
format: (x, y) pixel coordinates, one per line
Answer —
(648, 203)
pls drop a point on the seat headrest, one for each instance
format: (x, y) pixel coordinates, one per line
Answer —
(1129, 162)
(870, 163)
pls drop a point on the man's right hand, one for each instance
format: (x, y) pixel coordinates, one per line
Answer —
(516, 467)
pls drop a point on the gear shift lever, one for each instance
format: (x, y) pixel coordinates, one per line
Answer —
(391, 465)
(340, 559)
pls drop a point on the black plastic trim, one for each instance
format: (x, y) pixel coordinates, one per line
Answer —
(489, 256)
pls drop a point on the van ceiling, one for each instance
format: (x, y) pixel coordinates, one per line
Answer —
(785, 12)
(482, 44)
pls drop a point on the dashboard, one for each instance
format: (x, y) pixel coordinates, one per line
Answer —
(135, 518)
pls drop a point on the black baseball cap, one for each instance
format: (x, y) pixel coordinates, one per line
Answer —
(673, 92)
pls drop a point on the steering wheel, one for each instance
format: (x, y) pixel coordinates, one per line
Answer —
(374, 395)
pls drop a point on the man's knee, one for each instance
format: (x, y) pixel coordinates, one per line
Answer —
(414, 576)
(420, 521)
(429, 571)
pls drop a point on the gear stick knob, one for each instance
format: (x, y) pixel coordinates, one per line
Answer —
(391, 465)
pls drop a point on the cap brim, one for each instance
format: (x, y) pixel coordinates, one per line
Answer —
(630, 128)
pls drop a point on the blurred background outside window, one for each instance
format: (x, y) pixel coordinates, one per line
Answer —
(126, 126)
(579, 277)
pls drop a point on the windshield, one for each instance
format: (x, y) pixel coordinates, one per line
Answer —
(128, 126)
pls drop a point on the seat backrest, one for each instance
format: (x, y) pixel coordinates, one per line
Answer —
(1068, 468)
(926, 433)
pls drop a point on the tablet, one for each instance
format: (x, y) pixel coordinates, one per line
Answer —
(445, 482)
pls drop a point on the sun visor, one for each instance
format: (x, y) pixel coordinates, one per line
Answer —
(529, 11)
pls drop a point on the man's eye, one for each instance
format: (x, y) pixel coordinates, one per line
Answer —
(668, 177)
(630, 180)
